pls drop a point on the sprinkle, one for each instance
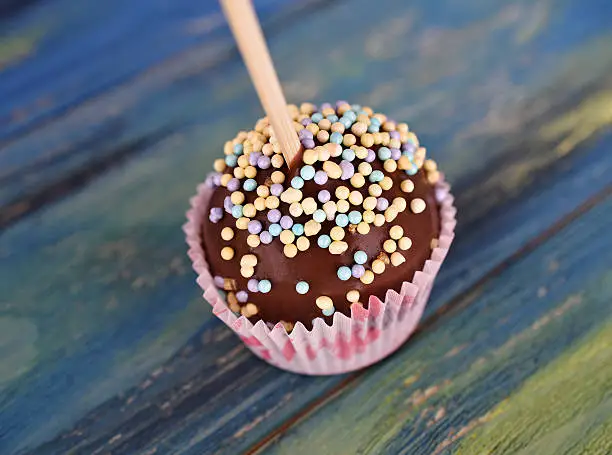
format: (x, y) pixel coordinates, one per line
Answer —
(309, 156)
(324, 153)
(320, 177)
(407, 186)
(368, 216)
(333, 170)
(286, 222)
(312, 228)
(276, 189)
(357, 180)
(378, 266)
(355, 198)
(386, 183)
(322, 136)
(336, 233)
(295, 209)
(242, 296)
(297, 229)
(274, 216)
(361, 152)
(265, 237)
(231, 160)
(371, 156)
(364, 169)
(302, 243)
(417, 205)
(275, 229)
(242, 223)
(227, 233)
(239, 172)
(342, 206)
(342, 192)
(302, 287)
(277, 177)
(309, 205)
(382, 204)
(233, 184)
(323, 195)
(249, 210)
(238, 149)
(216, 213)
(379, 220)
(254, 227)
(263, 191)
(363, 228)
(329, 312)
(278, 161)
(433, 177)
(225, 178)
(348, 169)
(390, 165)
(264, 286)
(324, 302)
(384, 153)
(404, 243)
(389, 245)
(338, 247)
(247, 272)
(237, 197)
(290, 250)
(399, 203)
(252, 285)
(352, 296)
(263, 162)
(250, 309)
(390, 214)
(330, 209)
(396, 153)
(272, 202)
(335, 138)
(297, 182)
(250, 172)
(287, 236)
(357, 270)
(367, 140)
(237, 211)
(375, 190)
(337, 127)
(290, 195)
(367, 277)
(359, 128)
(354, 217)
(325, 124)
(227, 253)
(397, 259)
(344, 273)
(348, 155)
(396, 232)
(308, 143)
(324, 241)
(307, 172)
(248, 260)
(219, 165)
(316, 117)
(360, 257)
(319, 215)
(333, 149)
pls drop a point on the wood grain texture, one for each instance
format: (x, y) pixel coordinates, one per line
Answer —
(101, 321)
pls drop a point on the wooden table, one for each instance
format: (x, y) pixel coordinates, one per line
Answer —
(111, 112)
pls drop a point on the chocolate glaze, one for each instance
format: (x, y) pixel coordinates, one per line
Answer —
(316, 265)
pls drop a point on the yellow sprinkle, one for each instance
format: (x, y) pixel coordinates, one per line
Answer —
(404, 243)
(309, 205)
(379, 220)
(396, 232)
(260, 204)
(311, 228)
(378, 266)
(369, 203)
(368, 216)
(225, 178)
(390, 214)
(248, 260)
(334, 149)
(325, 124)
(253, 240)
(352, 295)
(227, 233)
(295, 209)
(417, 205)
(342, 206)
(407, 186)
(219, 165)
(386, 183)
(390, 165)
(385, 138)
(313, 128)
(337, 127)
(324, 302)
(237, 197)
(430, 165)
(242, 223)
(364, 168)
(357, 180)
(250, 172)
(227, 253)
(342, 192)
(302, 243)
(333, 170)
(338, 247)
(420, 154)
(322, 136)
(277, 177)
(309, 156)
(397, 259)
(323, 154)
(377, 138)
(433, 177)
(375, 190)
(336, 233)
(290, 250)
(277, 161)
(263, 191)
(250, 309)
(287, 236)
(249, 210)
(239, 173)
(228, 148)
(363, 228)
(367, 140)
(389, 246)
(404, 163)
(291, 195)
(402, 127)
(272, 202)
(247, 272)
(243, 161)
(388, 125)
(361, 152)
(399, 203)
(359, 128)
(355, 198)
(395, 143)
(349, 139)
(367, 277)
(307, 108)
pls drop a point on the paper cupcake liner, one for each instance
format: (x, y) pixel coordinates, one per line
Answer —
(350, 343)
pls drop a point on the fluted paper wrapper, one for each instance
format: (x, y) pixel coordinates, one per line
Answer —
(350, 343)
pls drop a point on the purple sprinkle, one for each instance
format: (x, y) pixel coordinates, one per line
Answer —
(242, 296)
(382, 203)
(253, 157)
(396, 154)
(216, 213)
(320, 177)
(357, 270)
(308, 143)
(348, 170)
(306, 121)
(409, 147)
(371, 156)
(233, 184)
(394, 134)
(326, 106)
(276, 189)
(216, 179)
(305, 134)
(228, 205)
(274, 215)
(286, 222)
(265, 237)
(254, 227)
(324, 196)
(219, 282)
(340, 103)
(252, 285)
(263, 162)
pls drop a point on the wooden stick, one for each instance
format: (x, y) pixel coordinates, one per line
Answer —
(246, 29)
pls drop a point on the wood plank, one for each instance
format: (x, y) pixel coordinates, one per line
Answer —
(522, 365)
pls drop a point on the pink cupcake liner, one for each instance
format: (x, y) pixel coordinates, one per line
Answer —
(350, 343)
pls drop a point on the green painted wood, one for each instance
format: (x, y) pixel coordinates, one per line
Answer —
(523, 365)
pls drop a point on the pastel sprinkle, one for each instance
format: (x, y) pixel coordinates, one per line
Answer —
(319, 215)
(233, 184)
(407, 186)
(297, 182)
(336, 233)
(344, 273)
(323, 195)
(252, 285)
(295, 209)
(348, 155)
(352, 295)
(265, 237)
(312, 228)
(254, 227)
(238, 149)
(307, 172)
(219, 281)
(264, 286)
(231, 160)
(371, 156)
(302, 287)
(354, 217)
(297, 229)
(274, 216)
(376, 176)
(357, 270)
(360, 257)
(286, 222)
(253, 240)
(276, 189)
(290, 250)
(335, 138)
(291, 195)
(320, 177)
(227, 233)
(382, 204)
(417, 205)
(242, 296)
(237, 211)
(404, 243)
(227, 253)
(329, 311)
(324, 302)
(309, 205)
(384, 153)
(302, 243)
(263, 162)
(348, 170)
(275, 229)
(397, 259)
(342, 220)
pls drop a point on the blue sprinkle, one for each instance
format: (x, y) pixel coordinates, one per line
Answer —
(375, 121)
(356, 107)
(384, 153)
(376, 176)
(264, 286)
(335, 138)
(297, 229)
(275, 229)
(249, 185)
(350, 115)
(332, 118)
(297, 182)
(316, 117)
(344, 273)
(413, 170)
(237, 211)
(302, 287)
(231, 160)
(348, 155)
(324, 241)
(307, 172)
(329, 312)
(319, 215)
(360, 257)
(346, 122)
(342, 220)
(238, 149)
(354, 217)
(373, 129)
